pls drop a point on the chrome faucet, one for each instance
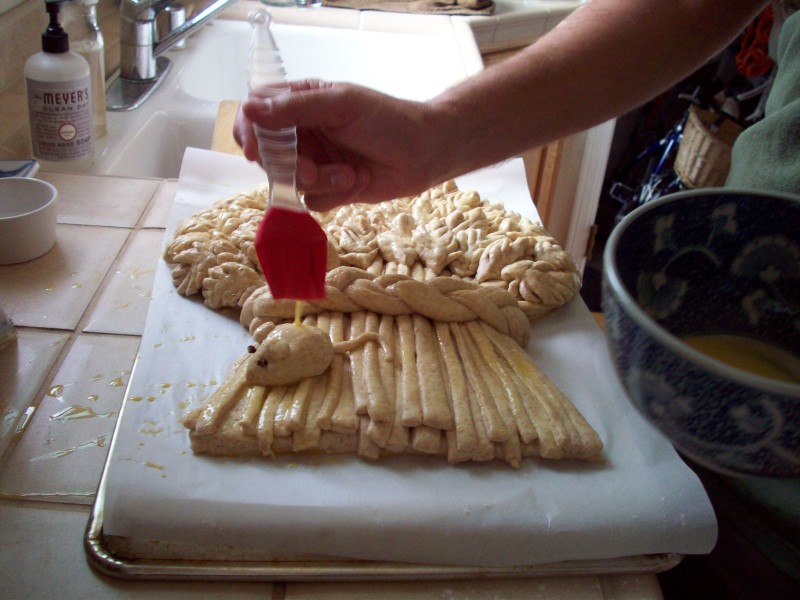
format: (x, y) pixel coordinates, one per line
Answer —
(142, 68)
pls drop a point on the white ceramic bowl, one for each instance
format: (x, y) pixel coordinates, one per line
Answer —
(27, 219)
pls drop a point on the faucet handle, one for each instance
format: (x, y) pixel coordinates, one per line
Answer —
(177, 17)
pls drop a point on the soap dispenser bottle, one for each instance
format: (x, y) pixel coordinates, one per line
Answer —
(79, 19)
(59, 85)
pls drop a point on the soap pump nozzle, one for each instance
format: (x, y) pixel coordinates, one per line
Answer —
(54, 39)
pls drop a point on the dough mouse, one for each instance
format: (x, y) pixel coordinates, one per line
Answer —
(289, 353)
(293, 352)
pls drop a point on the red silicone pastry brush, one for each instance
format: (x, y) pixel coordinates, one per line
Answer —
(291, 246)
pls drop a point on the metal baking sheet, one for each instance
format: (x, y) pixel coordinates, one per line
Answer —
(218, 564)
(159, 502)
(162, 561)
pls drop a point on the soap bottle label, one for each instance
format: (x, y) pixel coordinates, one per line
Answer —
(61, 119)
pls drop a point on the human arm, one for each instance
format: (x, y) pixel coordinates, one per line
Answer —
(606, 58)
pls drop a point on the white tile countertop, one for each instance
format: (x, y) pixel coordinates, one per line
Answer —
(80, 311)
(516, 23)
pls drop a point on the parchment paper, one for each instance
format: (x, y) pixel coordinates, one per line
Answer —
(641, 500)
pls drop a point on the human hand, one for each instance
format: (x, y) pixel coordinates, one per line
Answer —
(354, 144)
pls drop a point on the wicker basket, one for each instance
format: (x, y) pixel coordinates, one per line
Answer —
(704, 155)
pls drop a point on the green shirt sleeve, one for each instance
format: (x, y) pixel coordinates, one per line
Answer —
(766, 156)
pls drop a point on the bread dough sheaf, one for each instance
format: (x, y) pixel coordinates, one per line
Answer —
(425, 317)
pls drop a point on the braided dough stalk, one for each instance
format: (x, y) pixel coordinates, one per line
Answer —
(383, 404)
(266, 419)
(254, 402)
(380, 407)
(295, 416)
(432, 391)
(334, 389)
(399, 437)
(426, 440)
(307, 437)
(412, 407)
(345, 419)
(358, 324)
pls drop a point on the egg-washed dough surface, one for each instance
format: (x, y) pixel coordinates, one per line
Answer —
(445, 283)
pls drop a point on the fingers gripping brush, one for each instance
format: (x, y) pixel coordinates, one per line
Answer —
(291, 246)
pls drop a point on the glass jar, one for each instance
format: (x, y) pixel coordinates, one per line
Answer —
(79, 19)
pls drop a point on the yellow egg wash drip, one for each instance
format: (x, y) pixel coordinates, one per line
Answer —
(298, 312)
(748, 355)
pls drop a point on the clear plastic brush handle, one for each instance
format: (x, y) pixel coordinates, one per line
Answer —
(277, 148)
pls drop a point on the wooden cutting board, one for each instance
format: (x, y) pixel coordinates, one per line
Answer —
(222, 139)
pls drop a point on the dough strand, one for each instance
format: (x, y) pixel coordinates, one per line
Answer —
(412, 407)
(552, 434)
(336, 372)
(308, 436)
(432, 391)
(344, 419)
(254, 401)
(466, 440)
(399, 436)
(496, 428)
(358, 323)
(505, 380)
(379, 408)
(212, 413)
(266, 419)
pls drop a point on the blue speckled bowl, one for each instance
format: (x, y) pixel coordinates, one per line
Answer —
(709, 261)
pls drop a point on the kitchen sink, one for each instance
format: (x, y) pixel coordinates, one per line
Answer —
(150, 141)
(156, 150)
